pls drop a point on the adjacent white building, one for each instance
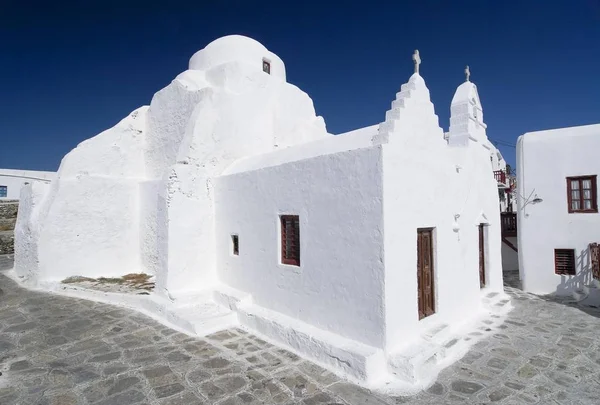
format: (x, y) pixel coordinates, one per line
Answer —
(348, 249)
(12, 180)
(558, 209)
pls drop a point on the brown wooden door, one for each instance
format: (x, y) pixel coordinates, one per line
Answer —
(425, 273)
(481, 257)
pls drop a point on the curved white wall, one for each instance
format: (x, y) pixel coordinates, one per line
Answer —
(237, 48)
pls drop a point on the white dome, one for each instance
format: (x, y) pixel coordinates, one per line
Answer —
(237, 48)
(466, 92)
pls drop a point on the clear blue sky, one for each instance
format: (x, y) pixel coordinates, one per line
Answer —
(69, 70)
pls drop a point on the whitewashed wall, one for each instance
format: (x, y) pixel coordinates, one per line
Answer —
(510, 258)
(88, 221)
(14, 180)
(426, 183)
(338, 197)
(544, 160)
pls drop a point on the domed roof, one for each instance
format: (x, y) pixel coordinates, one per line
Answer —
(237, 48)
(466, 92)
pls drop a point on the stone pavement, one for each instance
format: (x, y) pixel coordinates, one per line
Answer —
(58, 350)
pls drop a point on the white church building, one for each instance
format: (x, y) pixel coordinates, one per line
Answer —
(347, 249)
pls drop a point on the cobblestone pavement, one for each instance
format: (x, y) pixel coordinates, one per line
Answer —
(58, 350)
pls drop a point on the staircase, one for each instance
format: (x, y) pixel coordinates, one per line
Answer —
(588, 295)
(8, 219)
(441, 345)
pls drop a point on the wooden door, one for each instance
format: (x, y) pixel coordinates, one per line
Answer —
(425, 273)
(481, 257)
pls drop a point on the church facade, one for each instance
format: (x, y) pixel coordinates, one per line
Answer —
(347, 249)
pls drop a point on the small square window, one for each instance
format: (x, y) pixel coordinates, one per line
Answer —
(3, 191)
(266, 66)
(235, 244)
(290, 240)
(581, 194)
(564, 261)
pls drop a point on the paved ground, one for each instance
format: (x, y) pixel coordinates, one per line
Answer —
(56, 350)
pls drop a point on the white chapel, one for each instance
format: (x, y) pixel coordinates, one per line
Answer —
(348, 249)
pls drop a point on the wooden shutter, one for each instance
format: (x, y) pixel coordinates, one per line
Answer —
(290, 240)
(564, 261)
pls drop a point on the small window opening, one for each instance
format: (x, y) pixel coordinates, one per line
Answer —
(235, 242)
(266, 66)
(290, 240)
(564, 261)
(3, 191)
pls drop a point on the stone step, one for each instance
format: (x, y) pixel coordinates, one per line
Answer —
(203, 319)
(438, 334)
(579, 294)
(416, 362)
(453, 349)
(591, 295)
(497, 302)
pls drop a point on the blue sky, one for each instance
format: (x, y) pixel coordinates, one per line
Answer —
(71, 69)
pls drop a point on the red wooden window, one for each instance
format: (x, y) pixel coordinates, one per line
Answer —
(235, 242)
(581, 194)
(266, 67)
(290, 240)
(564, 261)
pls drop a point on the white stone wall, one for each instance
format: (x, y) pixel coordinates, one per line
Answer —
(544, 160)
(138, 197)
(338, 286)
(426, 184)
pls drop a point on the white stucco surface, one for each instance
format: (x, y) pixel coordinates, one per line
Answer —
(13, 180)
(338, 198)
(225, 149)
(544, 160)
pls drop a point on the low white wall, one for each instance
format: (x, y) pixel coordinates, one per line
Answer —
(544, 160)
(510, 258)
(91, 229)
(27, 230)
(338, 197)
(13, 180)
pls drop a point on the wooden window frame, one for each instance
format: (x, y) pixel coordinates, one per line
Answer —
(292, 261)
(235, 244)
(573, 272)
(580, 179)
(268, 65)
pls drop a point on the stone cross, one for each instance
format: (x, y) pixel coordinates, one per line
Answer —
(467, 73)
(417, 60)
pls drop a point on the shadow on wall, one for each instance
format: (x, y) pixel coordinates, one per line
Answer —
(568, 285)
(582, 277)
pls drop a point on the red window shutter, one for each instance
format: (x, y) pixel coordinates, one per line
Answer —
(564, 261)
(290, 240)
